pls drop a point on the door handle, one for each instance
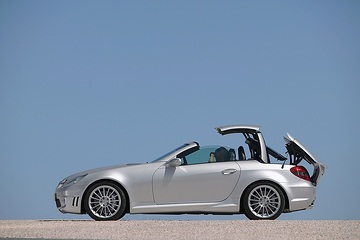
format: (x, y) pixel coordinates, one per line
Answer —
(228, 171)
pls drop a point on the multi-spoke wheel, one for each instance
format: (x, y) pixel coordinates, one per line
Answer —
(105, 201)
(263, 200)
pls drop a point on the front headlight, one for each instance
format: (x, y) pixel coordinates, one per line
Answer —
(67, 182)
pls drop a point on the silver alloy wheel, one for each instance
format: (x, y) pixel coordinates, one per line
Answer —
(264, 201)
(104, 201)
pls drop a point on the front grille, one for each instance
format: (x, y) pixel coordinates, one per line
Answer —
(57, 201)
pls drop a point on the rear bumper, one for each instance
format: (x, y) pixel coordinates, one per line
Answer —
(301, 195)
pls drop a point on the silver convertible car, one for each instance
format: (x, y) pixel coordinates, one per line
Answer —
(250, 178)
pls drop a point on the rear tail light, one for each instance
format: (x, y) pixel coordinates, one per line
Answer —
(300, 172)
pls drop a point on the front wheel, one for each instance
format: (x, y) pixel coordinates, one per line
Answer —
(263, 201)
(105, 201)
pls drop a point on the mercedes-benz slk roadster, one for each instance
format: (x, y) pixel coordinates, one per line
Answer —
(248, 178)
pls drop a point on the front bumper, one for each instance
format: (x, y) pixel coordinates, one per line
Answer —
(67, 202)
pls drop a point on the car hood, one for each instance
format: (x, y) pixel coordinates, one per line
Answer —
(95, 170)
(298, 152)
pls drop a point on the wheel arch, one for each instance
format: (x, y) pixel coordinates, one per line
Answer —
(264, 181)
(83, 211)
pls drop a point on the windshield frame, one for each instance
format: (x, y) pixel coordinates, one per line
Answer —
(176, 151)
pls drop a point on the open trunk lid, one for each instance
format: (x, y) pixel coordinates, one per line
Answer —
(298, 153)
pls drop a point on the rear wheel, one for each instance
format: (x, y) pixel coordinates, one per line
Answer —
(263, 201)
(105, 201)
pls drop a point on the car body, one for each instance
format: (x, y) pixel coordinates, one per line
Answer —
(199, 180)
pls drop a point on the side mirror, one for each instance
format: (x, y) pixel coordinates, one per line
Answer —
(175, 162)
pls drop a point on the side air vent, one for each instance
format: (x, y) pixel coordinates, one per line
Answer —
(75, 201)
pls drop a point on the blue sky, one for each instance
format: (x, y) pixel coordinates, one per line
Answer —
(85, 84)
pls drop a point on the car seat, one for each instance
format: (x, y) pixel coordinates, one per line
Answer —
(232, 154)
(222, 155)
(241, 153)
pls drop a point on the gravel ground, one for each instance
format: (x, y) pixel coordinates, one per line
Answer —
(138, 229)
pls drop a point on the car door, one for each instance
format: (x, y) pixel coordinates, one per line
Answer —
(198, 183)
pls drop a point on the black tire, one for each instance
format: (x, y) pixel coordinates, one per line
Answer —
(263, 201)
(105, 201)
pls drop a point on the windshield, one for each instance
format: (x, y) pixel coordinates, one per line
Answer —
(172, 152)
